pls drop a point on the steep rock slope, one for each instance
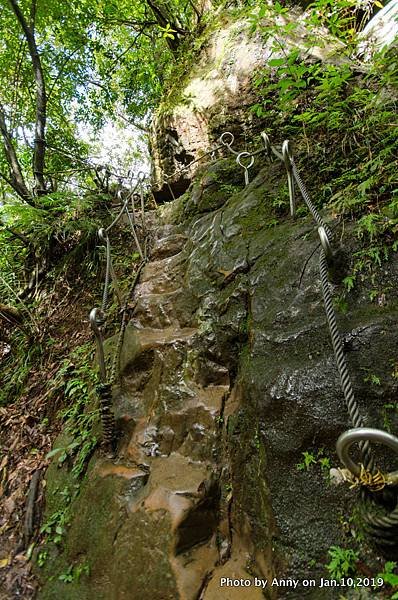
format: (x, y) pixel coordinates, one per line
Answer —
(227, 377)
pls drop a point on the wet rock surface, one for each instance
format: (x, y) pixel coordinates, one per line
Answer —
(227, 376)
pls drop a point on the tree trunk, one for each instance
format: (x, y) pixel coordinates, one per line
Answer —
(16, 180)
(41, 100)
(164, 18)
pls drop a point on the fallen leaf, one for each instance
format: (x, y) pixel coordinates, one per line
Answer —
(9, 505)
(4, 562)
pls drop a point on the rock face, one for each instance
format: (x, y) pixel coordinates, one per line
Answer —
(217, 93)
(227, 376)
(227, 381)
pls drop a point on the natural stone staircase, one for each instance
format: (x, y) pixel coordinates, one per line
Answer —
(169, 411)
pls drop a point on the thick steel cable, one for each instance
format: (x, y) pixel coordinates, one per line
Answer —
(136, 240)
(123, 209)
(352, 404)
(382, 529)
(123, 325)
(107, 274)
(326, 236)
(98, 317)
(317, 217)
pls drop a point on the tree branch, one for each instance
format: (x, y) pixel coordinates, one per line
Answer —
(61, 69)
(133, 123)
(20, 236)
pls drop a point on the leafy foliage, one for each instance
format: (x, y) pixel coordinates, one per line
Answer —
(389, 577)
(342, 563)
(77, 379)
(345, 114)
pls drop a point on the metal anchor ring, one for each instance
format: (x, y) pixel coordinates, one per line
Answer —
(360, 434)
(267, 143)
(287, 155)
(245, 167)
(239, 160)
(141, 176)
(97, 318)
(325, 242)
(103, 235)
(223, 140)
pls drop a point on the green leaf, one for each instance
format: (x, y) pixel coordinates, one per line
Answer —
(276, 62)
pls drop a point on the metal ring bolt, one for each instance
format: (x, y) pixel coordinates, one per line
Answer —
(223, 140)
(359, 434)
(287, 159)
(103, 235)
(245, 167)
(267, 143)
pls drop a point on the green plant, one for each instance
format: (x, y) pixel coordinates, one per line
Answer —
(311, 563)
(372, 379)
(391, 578)
(42, 558)
(77, 378)
(55, 526)
(229, 189)
(308, 460)
(74, 572)
(256, 441)
(389, 409)
(343, 562)
(325, 465)
(345, 121)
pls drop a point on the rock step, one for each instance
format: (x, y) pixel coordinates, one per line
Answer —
(161, 276)
(159, 311)
(184, 494)
(168, 246)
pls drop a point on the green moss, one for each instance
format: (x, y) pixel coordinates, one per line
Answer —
(186, 66)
